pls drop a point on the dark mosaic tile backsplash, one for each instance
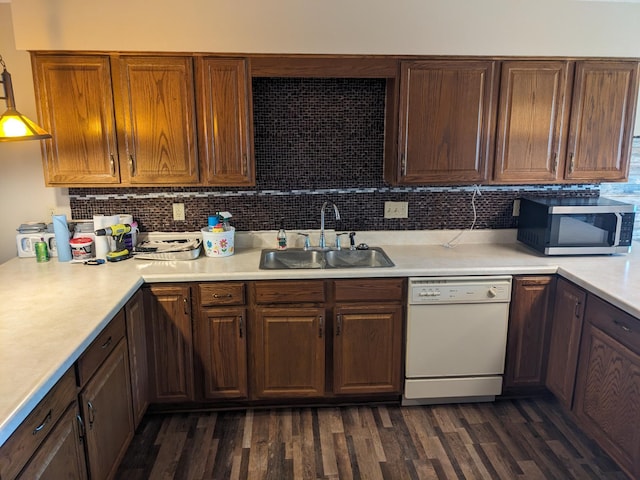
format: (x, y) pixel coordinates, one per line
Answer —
(315, 140)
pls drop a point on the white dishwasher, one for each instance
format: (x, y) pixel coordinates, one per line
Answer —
(456, 338)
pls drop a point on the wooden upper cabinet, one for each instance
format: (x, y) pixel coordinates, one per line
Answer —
(447, 111)
(75, 104)
(602, 115)
(532, 113)
(225, 122)
(157, 114)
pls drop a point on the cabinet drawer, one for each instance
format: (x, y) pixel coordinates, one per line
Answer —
(614, 322)
(100, 349)
(225, 293)
(298, 291)
(30, 434)
(369, 289)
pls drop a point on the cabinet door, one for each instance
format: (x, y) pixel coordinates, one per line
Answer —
(602, 114)
(137, 342)
(447, 111)
(531, 121)
(566, 330)
(62, 454)
(607, 392)
(75, 104)
(106, 410)
(169, 340)
(367, 349)
(225, 122)
(529, 328)
(157, 115)
(289, 352)
(221, 351)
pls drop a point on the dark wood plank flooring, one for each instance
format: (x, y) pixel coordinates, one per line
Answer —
(507, 439)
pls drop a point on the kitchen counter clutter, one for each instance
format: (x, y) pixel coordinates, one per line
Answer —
(53, 311)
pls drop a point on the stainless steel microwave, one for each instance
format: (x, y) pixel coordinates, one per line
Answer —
(575, 225)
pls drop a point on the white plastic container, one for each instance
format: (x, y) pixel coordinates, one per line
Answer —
(81, 248)
(218, 244)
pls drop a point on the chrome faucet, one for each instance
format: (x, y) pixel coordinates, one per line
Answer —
(323, 243)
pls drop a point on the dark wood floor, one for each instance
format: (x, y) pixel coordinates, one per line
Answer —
(507, 439)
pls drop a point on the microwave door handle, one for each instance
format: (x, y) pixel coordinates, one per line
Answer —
(616, 239)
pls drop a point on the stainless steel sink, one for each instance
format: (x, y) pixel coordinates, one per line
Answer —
(295, 258)
(291, 258)
(374, 257)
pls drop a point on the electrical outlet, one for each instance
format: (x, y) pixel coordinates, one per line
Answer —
(396, 209)
(178, 212)
(516, 208)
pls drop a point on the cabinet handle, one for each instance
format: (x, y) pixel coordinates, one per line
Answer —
(81, 427)
(555, 162)
(622, 326)
(577, 309)
(339, 325)
(241, 325)
(403, 164)
(107, 343)
(186, 306)
(112, 164)
(572, 163)
(92, 415)
(321, 325)
(132, 166)
(228, 295)
(46, 420)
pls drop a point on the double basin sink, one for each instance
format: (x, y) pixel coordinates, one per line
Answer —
(294, 258)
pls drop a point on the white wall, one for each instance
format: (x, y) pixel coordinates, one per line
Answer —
(494, 27)
(459, 27)
(23, 196)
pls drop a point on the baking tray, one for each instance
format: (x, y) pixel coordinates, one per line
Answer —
(168, 250)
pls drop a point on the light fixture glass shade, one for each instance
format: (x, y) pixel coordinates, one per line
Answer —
(15, 127)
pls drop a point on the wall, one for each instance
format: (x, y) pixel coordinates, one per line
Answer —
(23, 196)
(512, 27)
(316, 140)
(552, 27)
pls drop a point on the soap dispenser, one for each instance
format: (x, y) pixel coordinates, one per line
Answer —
(282, 236)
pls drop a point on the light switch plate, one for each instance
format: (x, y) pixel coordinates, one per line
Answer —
(396, 209)
(178, 212)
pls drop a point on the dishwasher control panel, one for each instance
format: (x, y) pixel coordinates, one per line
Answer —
(425, 290)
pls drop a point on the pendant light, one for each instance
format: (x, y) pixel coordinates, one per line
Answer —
(13, 125)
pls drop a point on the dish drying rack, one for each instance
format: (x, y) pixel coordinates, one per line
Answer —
(175, 249)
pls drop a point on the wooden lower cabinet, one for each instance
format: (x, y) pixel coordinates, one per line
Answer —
(367, 349)
(288, 352)
(62, 453)
(169, 342)
(529, 328)
(106, 409)
(137, 343)
(566, 330)
(608, 382)
(221, 352)
(30, 443)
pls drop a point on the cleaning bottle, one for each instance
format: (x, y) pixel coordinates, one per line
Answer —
(282, 236)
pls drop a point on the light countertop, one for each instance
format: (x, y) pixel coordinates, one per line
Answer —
(51, 312)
